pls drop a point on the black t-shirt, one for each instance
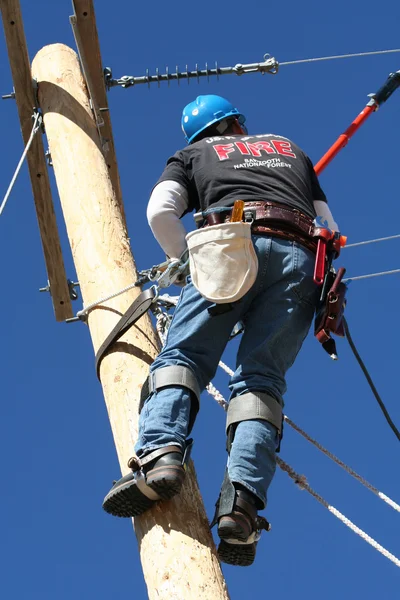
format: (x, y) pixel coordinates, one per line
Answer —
(219, 170)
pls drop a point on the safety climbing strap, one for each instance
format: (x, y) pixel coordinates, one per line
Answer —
(133, 314)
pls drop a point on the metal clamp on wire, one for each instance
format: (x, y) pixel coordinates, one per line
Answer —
(166, 273)
(174, 272)
(270, 65)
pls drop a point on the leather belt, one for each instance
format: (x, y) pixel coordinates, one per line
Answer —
(293, 236)
(273, 219)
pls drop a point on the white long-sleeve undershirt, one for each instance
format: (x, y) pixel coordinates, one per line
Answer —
(169, 200)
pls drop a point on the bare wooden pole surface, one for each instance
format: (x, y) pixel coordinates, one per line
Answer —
(26, 102)
(90, 50)
(177, 551)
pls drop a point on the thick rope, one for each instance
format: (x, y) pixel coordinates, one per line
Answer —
(308, 60)
(225, 368)
(36, 126)
(342, 464)
(301, 481)
(212, 390)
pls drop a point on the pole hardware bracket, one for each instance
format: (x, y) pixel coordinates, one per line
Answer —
(108, 78)
(10, 96)
(37, 113)
(48, 157)
(73, 294)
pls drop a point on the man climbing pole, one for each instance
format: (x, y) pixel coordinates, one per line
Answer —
(252, 260)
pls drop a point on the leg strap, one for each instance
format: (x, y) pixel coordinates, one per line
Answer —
(254, 405)
(138, 466)
(174, 375)
(226, 499)
(170, 376)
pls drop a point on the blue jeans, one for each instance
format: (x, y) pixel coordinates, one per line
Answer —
(277, 313)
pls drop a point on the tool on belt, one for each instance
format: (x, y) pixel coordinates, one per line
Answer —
(329, 314)
(332, 300)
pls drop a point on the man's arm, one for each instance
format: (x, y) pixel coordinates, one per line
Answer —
(168, 202)
(324, 212)
(320, 202)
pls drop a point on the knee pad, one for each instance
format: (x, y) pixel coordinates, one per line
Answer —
(173, 375)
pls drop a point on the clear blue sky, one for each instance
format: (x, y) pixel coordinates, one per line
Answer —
(57, 457)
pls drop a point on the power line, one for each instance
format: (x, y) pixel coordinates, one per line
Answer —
(358, 277)
(307, 60)
(269, 65)
(384, 239)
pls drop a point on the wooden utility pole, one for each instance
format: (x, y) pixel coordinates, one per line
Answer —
(176, 548)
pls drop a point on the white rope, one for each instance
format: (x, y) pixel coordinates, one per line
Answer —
(307, 60)
(342, 464)
(35, 129)
(161, 327)
(301, 481)
(88, 308)
(371, 275)
(212, 390)
(225, 368)
(390, 237)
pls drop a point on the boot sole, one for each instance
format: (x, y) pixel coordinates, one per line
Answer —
(239, 555)
(128, 501)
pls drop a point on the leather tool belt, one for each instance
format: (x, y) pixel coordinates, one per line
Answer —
(271, 218)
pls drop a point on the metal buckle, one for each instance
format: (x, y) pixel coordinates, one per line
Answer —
(249, 215)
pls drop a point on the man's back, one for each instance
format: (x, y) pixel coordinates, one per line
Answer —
(218, 170)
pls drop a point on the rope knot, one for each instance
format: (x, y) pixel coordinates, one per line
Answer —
(301, 481)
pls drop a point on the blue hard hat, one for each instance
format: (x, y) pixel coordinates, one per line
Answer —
(205, 111)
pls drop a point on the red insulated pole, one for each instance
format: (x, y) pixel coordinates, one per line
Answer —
(390, 85)
(343, 139)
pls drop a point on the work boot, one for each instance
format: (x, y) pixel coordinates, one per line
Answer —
(240, 530)
(157, 476)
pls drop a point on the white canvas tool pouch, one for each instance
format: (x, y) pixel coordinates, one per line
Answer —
(223, 262)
